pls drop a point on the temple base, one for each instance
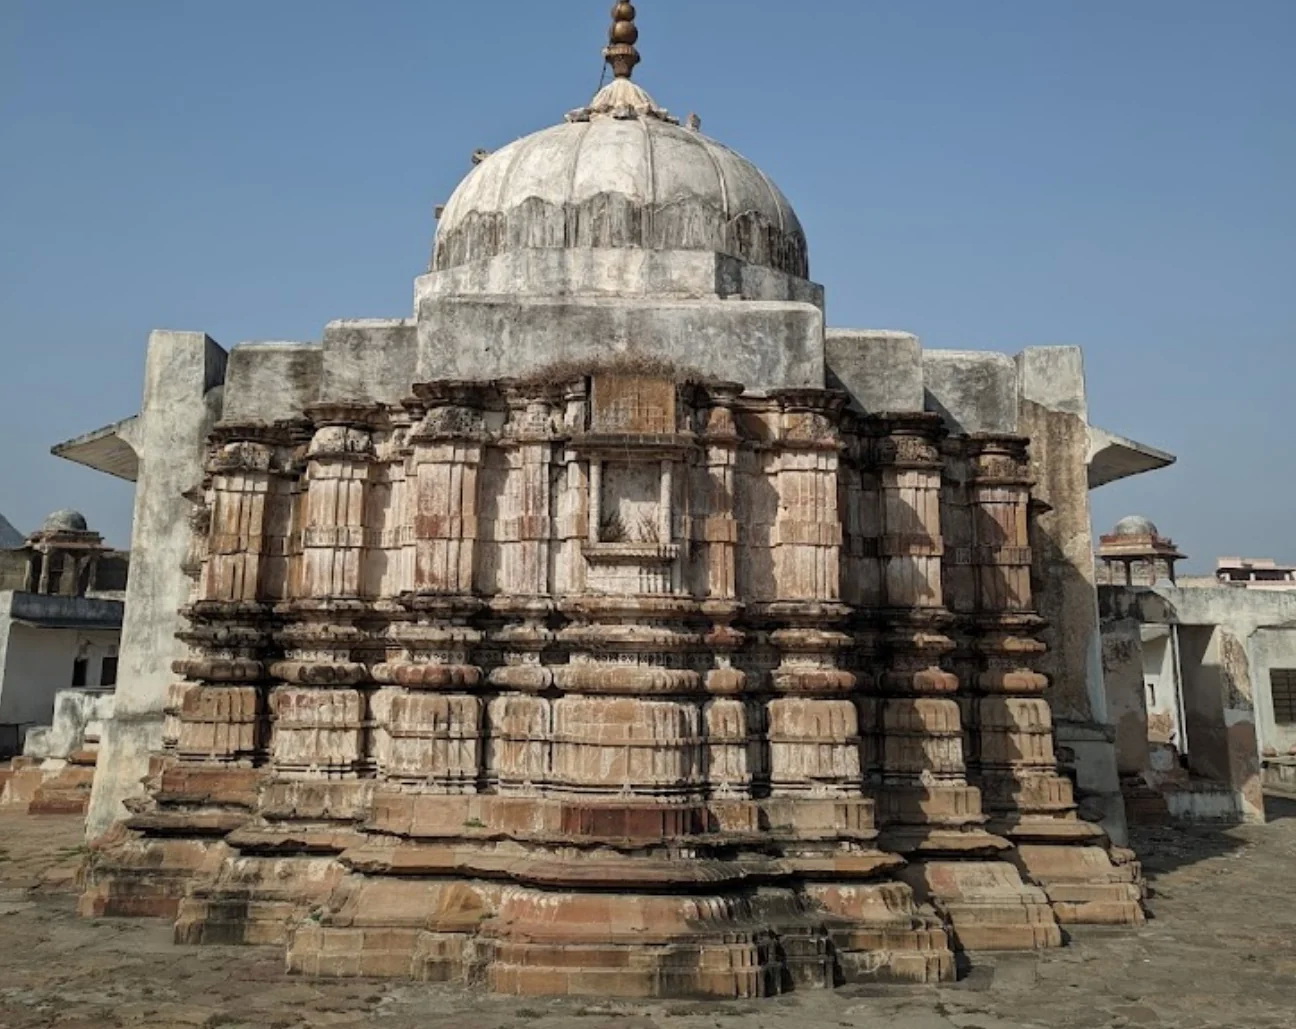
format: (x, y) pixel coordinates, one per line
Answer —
(129, 875)
(528, 941)
(986, 903)
(1086, 885)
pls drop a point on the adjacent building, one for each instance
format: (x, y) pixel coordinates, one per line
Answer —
(1201, 678)
(61, 604)
(1251, 573)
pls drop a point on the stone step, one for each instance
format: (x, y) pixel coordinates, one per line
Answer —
(67, 792)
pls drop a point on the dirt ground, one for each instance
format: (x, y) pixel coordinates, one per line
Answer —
(1219, 952)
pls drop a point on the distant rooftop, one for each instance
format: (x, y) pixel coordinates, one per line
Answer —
(1267, 563)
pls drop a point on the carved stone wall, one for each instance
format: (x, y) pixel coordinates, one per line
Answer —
(615, 685)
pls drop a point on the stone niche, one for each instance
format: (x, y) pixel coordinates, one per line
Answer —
(612, 684)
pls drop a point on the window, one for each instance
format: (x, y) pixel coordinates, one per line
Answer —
(108, 672)
(1151, 688)
(1282, 688)
(80, 668)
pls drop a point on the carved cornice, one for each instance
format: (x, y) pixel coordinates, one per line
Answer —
(283, 433)
(350, 415)
(341, 441)
(999, 460)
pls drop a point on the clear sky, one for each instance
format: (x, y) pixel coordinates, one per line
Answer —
(1119, 174)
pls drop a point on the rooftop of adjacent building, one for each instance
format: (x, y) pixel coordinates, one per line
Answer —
(1137, 537)
(1136, 540)
(63, 560)
(1254, 573)
(1255, 564)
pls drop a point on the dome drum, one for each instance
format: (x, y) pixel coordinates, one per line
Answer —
(613, 221)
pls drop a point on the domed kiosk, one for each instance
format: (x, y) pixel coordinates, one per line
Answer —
(1135, 553)
(572, 637)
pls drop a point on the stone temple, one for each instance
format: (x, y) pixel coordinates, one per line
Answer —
(609, 627)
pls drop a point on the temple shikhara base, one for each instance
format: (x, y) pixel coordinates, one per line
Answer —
(609, 628)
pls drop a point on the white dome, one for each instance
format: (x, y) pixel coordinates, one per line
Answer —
(620, 173)
(66, 520)
(1135, 525)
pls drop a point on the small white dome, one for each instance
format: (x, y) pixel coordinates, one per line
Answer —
(66, 520)
(1135, 525)
(620, 173)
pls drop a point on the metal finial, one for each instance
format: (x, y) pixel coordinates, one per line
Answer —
(620, 52)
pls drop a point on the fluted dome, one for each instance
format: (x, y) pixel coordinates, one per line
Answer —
(1135, 525)
(620, 173)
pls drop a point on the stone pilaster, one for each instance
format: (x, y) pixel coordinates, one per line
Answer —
(1026, 798)
(931, 811)
(428, 742)
(927, 802)
(321, 706)
(279, 860)
(448, 448)
(216, 733)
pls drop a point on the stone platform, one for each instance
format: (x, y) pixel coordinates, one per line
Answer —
(1203, 963)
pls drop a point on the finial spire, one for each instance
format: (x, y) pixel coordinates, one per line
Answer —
(620, 52)
(622, 98)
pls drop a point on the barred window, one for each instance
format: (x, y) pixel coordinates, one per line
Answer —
(1282, 687)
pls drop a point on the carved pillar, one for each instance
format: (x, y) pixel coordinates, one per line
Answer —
(732, 720)
(448, 447)
(1016, 762)
(428, 718)
(231, 624)
(934, 814)
(204, 783)
(1025, 797)
(924, 788)
(860, 504)
(320, 712)
(529, 546)
(387, 568)
(813, 723)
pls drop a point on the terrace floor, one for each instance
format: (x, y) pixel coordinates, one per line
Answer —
(1220, 951)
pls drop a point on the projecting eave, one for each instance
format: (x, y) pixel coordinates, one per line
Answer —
(106, 450)
(1112, 457)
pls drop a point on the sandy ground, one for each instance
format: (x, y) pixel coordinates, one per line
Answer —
(1219, 952)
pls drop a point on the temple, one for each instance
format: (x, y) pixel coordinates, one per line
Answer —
(610, 627)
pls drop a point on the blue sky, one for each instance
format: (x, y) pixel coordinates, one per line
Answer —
(1115, 173)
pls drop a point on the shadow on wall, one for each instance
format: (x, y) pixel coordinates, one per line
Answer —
(1055, 575)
